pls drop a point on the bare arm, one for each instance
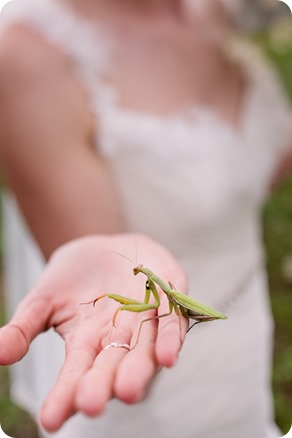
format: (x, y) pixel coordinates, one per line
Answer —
(47, 144)
(64, 190)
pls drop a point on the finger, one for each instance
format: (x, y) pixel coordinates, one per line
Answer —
(170, 337)
(31, 318)
(96, 387)
(138, 366)
(60, 404)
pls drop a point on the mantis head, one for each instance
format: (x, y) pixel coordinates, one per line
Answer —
(137, 269)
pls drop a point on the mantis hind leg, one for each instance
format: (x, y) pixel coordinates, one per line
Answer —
(191, 326)
(202, 318)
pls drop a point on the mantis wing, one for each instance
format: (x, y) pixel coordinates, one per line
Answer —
(192, 308)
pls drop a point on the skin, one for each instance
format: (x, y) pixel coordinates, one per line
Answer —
(54, 302)
(51, 164)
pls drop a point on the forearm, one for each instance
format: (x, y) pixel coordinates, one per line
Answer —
(48, 151)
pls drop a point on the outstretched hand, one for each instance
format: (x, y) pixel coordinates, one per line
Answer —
(78, 272)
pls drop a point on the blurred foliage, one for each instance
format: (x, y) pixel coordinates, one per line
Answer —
(277, 44)
(278, 240)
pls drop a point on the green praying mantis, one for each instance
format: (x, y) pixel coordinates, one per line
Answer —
(179, 302)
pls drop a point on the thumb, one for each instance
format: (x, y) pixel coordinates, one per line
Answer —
(31, 318)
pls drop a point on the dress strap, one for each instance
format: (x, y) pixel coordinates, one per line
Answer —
(266, 102)
(87, 46)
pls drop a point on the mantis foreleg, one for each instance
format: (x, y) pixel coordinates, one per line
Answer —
(150, 284)
(132, 305)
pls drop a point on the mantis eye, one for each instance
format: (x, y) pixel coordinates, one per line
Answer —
(147, 285)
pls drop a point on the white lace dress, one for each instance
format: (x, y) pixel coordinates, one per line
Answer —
(207, 183)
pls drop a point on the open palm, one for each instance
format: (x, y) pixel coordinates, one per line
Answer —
(78, 272)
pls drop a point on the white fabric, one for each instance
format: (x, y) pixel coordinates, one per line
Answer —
(196, 184)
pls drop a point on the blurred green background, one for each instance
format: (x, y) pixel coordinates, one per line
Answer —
(277, 217)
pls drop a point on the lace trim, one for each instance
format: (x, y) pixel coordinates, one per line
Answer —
(91, 51)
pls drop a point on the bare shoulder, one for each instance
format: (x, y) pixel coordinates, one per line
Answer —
(39, 87)
(31, 68)
(47, 141)
(27, 58)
